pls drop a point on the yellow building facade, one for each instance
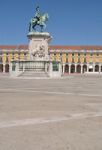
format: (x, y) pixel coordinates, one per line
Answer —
(78, 59)
(73, 59)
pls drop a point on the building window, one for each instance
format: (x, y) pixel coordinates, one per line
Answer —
(97, 54)
(66, 55)
(72, 60)
(78, 60)
(91, 54)
(84, 60)
(72, 54)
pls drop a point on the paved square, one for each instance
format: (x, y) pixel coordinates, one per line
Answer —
(51, 114)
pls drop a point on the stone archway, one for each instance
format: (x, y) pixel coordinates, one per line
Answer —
(78, 69)
(96, 68)
(72, 68)
(66, 68)
(1, 67)
(7, 68)
(84, 68)
(101, 68)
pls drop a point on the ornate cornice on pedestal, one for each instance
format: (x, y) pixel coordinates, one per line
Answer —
(38, 34)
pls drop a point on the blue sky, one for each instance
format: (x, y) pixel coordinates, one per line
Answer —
(71, 22)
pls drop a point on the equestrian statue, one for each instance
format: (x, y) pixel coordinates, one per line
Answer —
(38, 20)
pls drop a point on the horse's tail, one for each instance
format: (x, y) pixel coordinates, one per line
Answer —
(29, 26)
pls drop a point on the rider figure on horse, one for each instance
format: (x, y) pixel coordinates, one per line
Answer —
(38, 20)
(37, 13)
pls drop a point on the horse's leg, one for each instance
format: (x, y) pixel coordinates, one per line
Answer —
(34, 27)
(44, 25)
(41, 27)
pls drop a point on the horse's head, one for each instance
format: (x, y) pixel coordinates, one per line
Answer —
(46, 16)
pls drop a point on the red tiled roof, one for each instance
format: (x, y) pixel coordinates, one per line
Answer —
(23, 47)
(52, 47)
(56, 47)
(7, 47)
(13, 47)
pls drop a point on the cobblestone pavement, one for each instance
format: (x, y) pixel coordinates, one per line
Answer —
(51, 114)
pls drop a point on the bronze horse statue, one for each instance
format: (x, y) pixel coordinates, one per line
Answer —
(38, 21)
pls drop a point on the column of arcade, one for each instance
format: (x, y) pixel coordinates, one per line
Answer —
(81, 68)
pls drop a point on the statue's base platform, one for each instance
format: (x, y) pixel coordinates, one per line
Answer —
(29, 68)
(34, 69)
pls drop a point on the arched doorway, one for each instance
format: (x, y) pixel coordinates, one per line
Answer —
(66, 69)
(7, 68)
(1, 68)
(72, 68)
(97, 68)
(101, 68)
(78, 68)
(84, 68)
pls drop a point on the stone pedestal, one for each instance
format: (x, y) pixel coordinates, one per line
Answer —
(39, 62)
(55, 71)
(38, 45)
(38, 49)
(39, 58)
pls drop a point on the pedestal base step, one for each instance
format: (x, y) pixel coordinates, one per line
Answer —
(33, 74)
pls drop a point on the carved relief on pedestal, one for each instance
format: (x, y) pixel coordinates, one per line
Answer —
(39, 51)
